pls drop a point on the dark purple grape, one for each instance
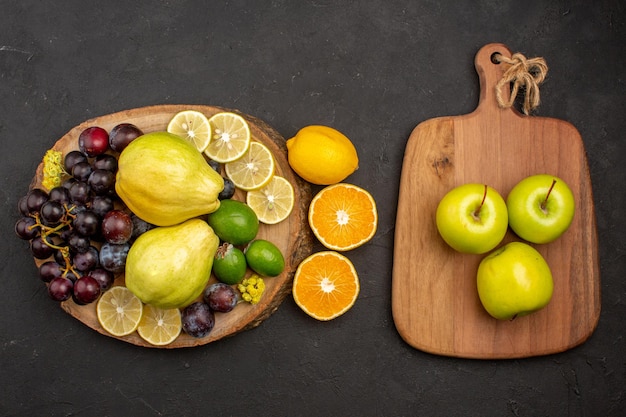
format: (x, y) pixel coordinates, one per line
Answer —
(80, 192)
(60, 288)
(50, 270)
(102, 204)
(39, 249)
(105, 278)
(102, 182)
(60, 195)
(26, 228)
(86, 223)
(22, 205)
(106, 162)
(59, 257)
(140, 226)
(75, 208)
(123, 134)
(198, 319)
(35, 199)
(81, 171)
(220, 297)
(77, 242)
(51, 213)
(86, 261)
(93, 141)
(117, 227)
(68, 183)
(228, 191)
(215, 165)
(72, 158)
(113, 256)
(86, 290)
(72, 276)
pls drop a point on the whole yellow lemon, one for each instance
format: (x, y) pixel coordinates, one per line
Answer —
(322, 155)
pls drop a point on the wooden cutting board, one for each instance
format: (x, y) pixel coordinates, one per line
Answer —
(292, 236)
(434, 298)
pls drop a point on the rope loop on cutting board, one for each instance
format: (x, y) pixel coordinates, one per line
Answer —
(522, 73)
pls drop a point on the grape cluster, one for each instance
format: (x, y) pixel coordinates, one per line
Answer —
(80, 229)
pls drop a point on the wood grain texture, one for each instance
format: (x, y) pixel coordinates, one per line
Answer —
(293, 236)
(435, 303)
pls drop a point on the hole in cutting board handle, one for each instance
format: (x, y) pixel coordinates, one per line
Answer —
(495, 58)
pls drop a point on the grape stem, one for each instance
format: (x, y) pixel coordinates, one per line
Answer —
(47, 231)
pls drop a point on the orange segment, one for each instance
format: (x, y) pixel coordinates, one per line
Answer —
(343, 216)
(325, 285)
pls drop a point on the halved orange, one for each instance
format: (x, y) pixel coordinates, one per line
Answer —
(325, 285)
(343, 216)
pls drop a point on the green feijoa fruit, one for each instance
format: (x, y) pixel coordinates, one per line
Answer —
(264, 258)
(229, 265)
(234, 222)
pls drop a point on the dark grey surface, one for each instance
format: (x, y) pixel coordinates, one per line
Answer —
(372, 69)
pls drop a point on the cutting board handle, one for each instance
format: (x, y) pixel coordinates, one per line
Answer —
(490, 72)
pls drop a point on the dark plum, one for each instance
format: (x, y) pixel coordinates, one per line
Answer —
(93, 141)
(60, 288)
(123, 134)
(198, 319)
(117, 227)
(113, 256)
(86, 290)
(220, 297)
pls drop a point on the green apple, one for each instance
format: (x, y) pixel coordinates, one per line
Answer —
(514, 280)
(541, 208)
(472, 218)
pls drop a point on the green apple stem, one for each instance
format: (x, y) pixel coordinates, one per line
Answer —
(544, 204)
(476, 213)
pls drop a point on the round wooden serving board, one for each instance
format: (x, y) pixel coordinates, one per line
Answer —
(292, 236)
(434, 298)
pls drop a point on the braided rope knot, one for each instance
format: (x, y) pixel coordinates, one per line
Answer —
(522, 73)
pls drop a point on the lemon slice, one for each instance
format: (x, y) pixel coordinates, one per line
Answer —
(253, 170)
(119, 311)
(159, 326)
(192, 126)
(273, 202)
(230, 137)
